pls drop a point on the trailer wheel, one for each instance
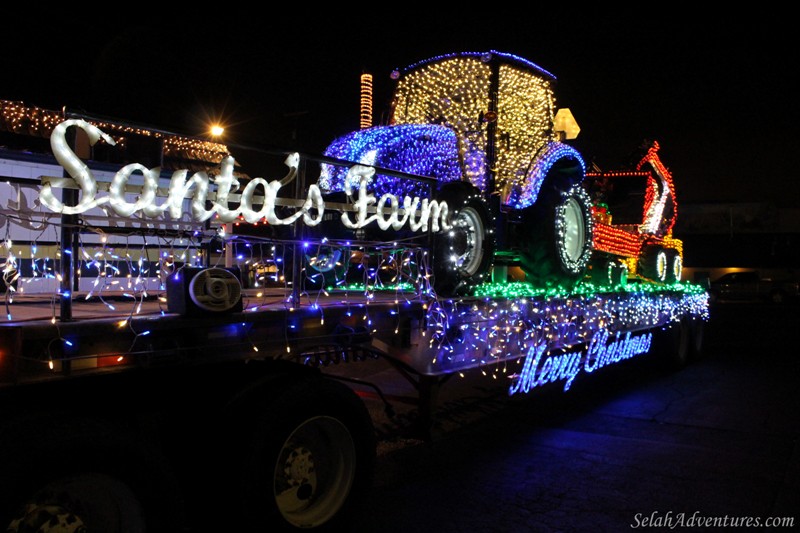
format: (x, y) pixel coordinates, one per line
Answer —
(309, 460)
(679, 345)
(81, 504)
(697, 330)
(463, 255)
(777, 296)
(105, 473)
(556, 237)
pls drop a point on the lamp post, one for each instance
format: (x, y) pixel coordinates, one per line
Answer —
(216, 131)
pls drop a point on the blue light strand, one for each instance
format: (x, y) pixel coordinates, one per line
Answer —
(474, 333)
(524, 194)
(483, 56)
(419, 149)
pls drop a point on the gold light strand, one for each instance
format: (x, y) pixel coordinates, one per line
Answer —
(526, 110)
(366, 101)
(455, 93)
(18, 118)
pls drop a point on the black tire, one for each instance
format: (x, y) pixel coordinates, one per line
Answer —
(619, 274)
(674, 266)
(102, 473)
(321, 266)
(697, 343)
(308, 458)
(556, 237)
(608, 272)
(80, 504)
(713, 297)
(677, 347)
(325, 266)
(653, 263)
(777, 296)
(463, 255)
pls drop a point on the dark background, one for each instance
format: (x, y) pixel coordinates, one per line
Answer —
(717, 91)
(717, 438)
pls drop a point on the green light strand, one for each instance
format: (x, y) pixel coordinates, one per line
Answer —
(522, 289)
(361, 287)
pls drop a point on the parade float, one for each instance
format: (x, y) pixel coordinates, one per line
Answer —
(166, 304)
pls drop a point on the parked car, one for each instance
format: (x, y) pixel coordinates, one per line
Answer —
(750, 285)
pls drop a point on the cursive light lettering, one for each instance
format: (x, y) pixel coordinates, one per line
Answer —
(76, 168)
(539, 369)
(418, 215)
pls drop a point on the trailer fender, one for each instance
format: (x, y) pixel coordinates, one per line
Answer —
(555, 162)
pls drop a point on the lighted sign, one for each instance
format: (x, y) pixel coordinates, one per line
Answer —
(417, 214)
(179, 188)
(603, 350)
(417, 217)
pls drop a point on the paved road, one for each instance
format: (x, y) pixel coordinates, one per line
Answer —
(718, 438)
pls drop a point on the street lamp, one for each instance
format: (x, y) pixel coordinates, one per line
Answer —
(217, 130)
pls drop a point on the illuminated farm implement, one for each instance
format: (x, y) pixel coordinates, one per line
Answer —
(172, 323)
(641, 241)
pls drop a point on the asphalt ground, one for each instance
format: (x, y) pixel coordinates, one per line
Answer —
(636, 447)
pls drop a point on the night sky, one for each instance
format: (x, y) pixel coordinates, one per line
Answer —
(716, 92)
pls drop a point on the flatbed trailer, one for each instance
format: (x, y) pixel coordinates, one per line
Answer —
(424, 338)
(166, 407)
